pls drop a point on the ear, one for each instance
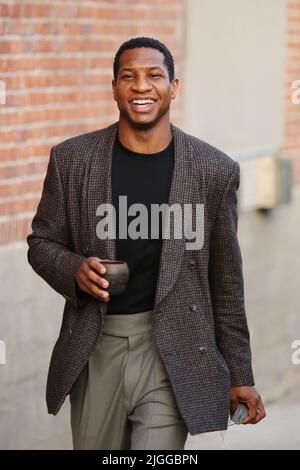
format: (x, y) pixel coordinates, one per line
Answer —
(114, 89)
(174, 88)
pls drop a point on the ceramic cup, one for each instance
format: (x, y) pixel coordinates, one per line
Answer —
(117, 274)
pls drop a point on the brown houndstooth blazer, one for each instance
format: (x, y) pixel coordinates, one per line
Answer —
(199, 319)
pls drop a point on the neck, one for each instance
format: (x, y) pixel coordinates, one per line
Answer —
(150, 140)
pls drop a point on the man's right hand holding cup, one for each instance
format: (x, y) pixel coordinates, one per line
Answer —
(89, 280)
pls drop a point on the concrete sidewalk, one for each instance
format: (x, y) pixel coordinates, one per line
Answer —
(279, 430)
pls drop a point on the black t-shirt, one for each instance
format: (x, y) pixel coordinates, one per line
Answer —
(145, 179)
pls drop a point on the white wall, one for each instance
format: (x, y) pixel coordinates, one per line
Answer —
(233, 76)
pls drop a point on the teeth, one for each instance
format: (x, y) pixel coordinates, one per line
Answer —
(143, 101)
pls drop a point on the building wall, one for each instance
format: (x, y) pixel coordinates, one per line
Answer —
(234, 74)
(63, 90)
(31, 317)
(291, 143)
(31, 314)
(56, 62)
(270, 248)
(240, 60)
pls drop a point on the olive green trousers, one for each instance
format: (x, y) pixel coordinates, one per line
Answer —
(123, 398)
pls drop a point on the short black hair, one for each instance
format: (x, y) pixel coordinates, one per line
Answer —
(145, 42)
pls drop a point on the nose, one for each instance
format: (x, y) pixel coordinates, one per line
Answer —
(141, 84)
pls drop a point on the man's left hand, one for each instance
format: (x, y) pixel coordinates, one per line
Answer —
(251, 398)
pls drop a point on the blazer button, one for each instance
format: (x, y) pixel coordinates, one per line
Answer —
(86, 250)
(192, 263)
(203, 349)
(193, 308)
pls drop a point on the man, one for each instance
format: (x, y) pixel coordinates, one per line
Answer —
(170, 355)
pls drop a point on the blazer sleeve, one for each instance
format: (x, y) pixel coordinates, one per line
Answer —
(227, 287)
(49, 251)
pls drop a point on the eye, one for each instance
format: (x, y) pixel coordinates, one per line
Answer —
(126, 77)
(155, 75)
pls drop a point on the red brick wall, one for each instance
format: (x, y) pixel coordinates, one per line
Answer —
(292, 111)
(56, 62)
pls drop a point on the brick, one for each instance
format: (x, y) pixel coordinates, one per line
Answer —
(21, 187)
(27, 117)
(57, 65)
(22, 205)
(15, 229)
(127, 13)
(291, 144)
(54, 63)
(47, 97)
(32, 10)
(18, 27)
(56, 45)
(54, 80)
(23, 169)
(18, 152)
(24, 134)
(4, 9)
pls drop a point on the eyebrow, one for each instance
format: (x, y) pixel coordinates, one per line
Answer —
(122, 69)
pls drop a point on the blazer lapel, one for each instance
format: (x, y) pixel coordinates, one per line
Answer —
(100, 191)
(172, 252)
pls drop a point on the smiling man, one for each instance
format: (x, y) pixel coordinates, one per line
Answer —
(171, 354)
